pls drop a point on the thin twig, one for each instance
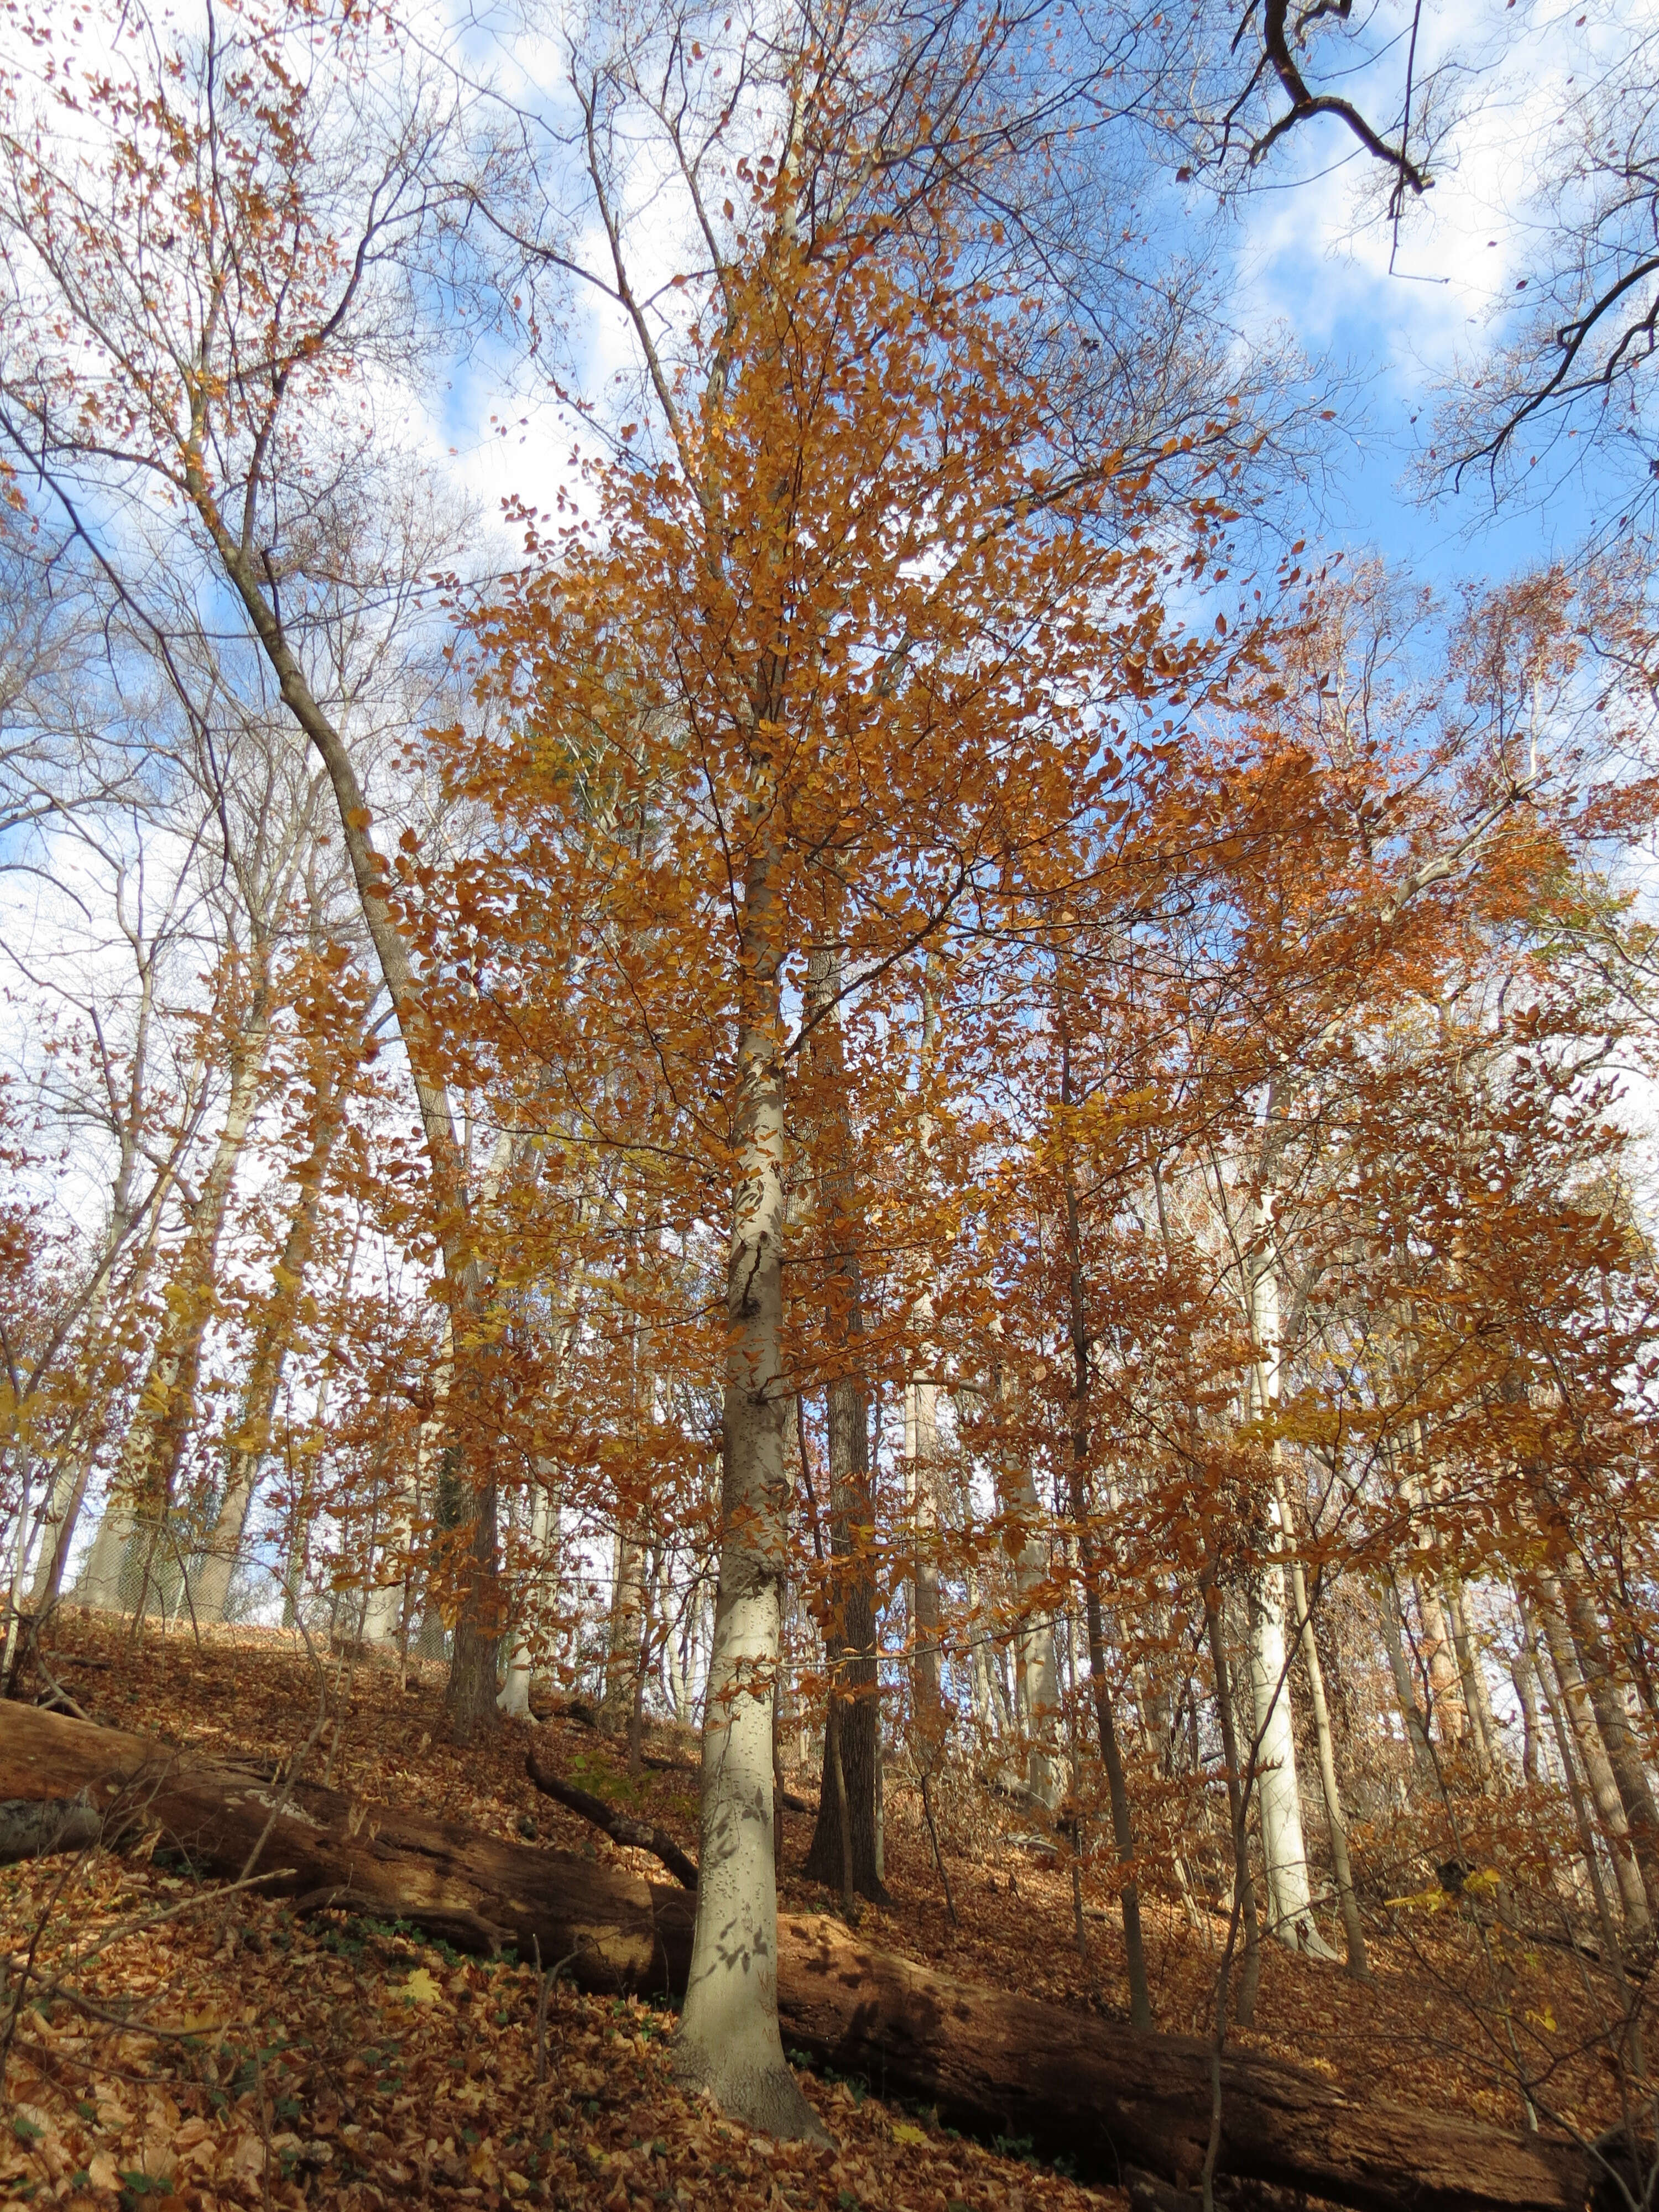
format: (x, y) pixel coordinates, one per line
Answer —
(265, 2125)
(939, 1856)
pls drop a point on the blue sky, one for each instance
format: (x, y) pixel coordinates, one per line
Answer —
(1308, 252)
(1315, 254)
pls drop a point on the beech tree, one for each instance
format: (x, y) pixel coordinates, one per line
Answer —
(1003, 1175)
(195, 277)
(885, 634)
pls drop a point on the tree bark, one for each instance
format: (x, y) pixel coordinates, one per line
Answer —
(1279, 1792)
(1604, 1787)
(1607, 1699)
(921, 1468)
(1353, 1936)
(728, 2041)
(513, 1697)
(252, 1438)
(623, 1636)
(922, 1496)
(66, 1491)
(33, 1828)
(1134, 1952)
(471, 1694)
(141, 1491)
(1580, 1812)
(1417, 1734)
(101, 1332)
(1036, 1684)
(1238, 1832)
(1107, 2096)
(1451, 1721)
(1524, 1676)
(846, 1799)
(1477, 1697)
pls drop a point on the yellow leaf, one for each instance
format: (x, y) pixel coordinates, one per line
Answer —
(904, 2133)
(421, 1989)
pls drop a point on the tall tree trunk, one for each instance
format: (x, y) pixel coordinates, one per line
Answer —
(101, 1342)
(1141, 2002)
(200, 1271)
(1036, 1684)
(850, 1633)
(1034, 1643)
(387, 1599)
(922, 1496)
(251, 1439)
(1598, 1768)
(1607, 1697)
(622, 1658)
(626, 1630)
(515, 1697)
(66, 1499)
(470, 1552)
(67, 1493)
(1449, 1719)
(1238, 1826)
(1477, 1701)
(1284, 1849)
(1523, 1673)
(1353, 1935)
(988, 1708)
(303, 1509)
(728, 2041)
(390, 1613)
(472, 1692)
(141, 1491)
(921, 1469)
(1581, 1813)
(1417, 1734)
(850, 1649)
(538, 1582)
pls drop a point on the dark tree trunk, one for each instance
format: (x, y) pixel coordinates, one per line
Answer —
(850, 1648)
(470, 1693)
(850, 1635)
(1237, 1813)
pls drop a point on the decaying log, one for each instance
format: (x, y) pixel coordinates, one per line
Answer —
(1111, 2098)
(33, 1828)
(324, 1847)
(621, 1827)
(1114, 2098)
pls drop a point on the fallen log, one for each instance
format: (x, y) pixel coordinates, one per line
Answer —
(993, 2062)
(33, 1827)
(1116, 2099)
(611, 1819)
(325, 1848)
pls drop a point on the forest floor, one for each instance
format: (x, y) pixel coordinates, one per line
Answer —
(329, 2063)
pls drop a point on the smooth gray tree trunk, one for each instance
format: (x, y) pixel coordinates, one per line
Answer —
(728, 2042)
